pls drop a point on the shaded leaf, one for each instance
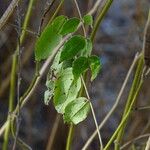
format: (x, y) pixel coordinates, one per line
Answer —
(49, 39)
(70, 26)
(79, 66)
(77, 110)
(95, 66)
(72, 47)
(57, 23)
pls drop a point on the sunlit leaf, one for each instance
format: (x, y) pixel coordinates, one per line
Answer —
(62, 85)
(77, 110)
(56, 65)
(50, 84)
(72, 94)
(70, 26)
(47, 96)
(72, 47)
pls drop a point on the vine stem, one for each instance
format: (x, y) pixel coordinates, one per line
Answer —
(11, 103)
(136, 85)
(13, 76)
(115, 104)
(100, 17)
(93, 113)
(134, 140)
(70, 137)
(125, 117)
(136, 81)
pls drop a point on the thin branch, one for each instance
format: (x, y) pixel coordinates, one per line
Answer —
(98, 2)
(18, 77)
(125, 118)
(148, 144)
(8, 12)
(93, 113)
(134, 140)
(115, 104)
(53, 132)
(44, 15)
(79, 12)
(99, 18)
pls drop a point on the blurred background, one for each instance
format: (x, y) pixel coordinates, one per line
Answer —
(119, 37)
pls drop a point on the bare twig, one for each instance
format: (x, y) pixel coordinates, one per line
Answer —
(148, 144)
(53, 133)
(18, 77)
(49, 6)
(134, 140)
(79, 12)
(8, 12)
(97, 3)
(115, 104)
(93, 113)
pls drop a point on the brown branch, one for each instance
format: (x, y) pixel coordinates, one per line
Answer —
(8, 13)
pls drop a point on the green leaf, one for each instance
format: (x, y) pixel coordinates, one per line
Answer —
(49, 39)
(88, 20)
(57, 23)
(72, 94)
(95, 66)
(70, 26)
(72, 47)
(79, 66)
(47, 96)
(56, 65)
(88, 48)
(77, 110)
(50, 84)
(62, 85)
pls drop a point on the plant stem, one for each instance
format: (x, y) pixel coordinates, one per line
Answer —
(56, 12)
(134, 140)
(99, 18)
(115, 104)
(70, 137)
(125, 118)
(93, 113)
(13, 75)
(135, 84)
(11, 102)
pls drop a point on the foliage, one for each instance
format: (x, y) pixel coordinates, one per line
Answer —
(73, 59)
